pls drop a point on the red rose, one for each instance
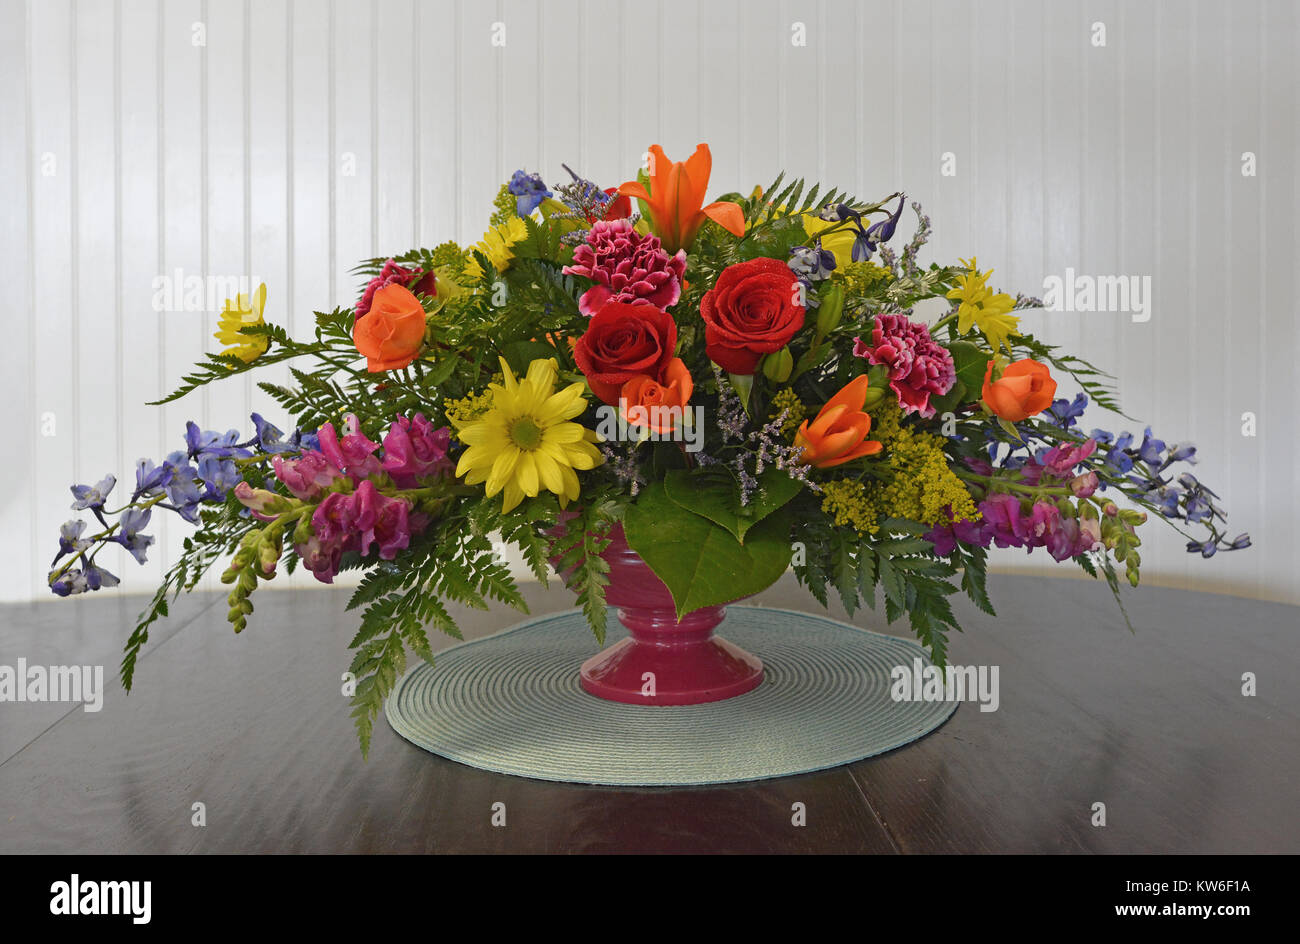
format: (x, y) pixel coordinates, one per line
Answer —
(623, 341)
(750, 312)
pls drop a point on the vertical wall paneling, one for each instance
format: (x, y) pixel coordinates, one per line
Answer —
(18, 173)
(149, 143)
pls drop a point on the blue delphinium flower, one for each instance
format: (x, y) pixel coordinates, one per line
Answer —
(132, 522)
(206, 442)
(97, 577)
(219, 476)
(1167, 497)
(70, 539)
(183, 488)
(529, 190)
(269, 437)
(1181, 452)
(1117, 457)
(72, 581)
(92, 496)
(883, 231)
(1065, 413)
(811, 263)
(1151, 448)
(151, 479)
(1239, 542)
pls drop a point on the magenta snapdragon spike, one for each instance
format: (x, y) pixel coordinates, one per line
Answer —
(307, 476)
(353, 454)
(626, 267)
(414, 449)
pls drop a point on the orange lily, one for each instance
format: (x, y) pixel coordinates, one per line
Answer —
(839, 432)
(676, 199)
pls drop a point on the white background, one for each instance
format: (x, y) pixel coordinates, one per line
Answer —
(127, 151)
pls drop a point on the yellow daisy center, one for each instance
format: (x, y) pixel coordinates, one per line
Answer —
(526, 433)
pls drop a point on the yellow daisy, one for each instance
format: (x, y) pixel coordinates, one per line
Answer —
(525, 441)
(980, 307)
(496, 245)
(237, 313)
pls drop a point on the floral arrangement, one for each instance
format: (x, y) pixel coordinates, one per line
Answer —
(741, 384)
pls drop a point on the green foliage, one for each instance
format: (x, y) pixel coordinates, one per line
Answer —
(453, 563)
(898, 561)
(700, 561)
(714, 493)
(576, 546)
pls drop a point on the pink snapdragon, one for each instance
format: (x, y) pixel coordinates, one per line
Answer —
(307, 476)
(354, 453)
(413, 450)
(380, 520)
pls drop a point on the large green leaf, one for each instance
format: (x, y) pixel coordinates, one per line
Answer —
(701, 563)
(714, 493)
(970, 363)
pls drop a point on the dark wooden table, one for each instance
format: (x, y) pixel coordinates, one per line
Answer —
(1153, 725)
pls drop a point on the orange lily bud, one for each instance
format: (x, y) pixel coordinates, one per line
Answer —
(838, 433)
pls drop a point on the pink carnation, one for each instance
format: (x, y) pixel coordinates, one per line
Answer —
(417, 280)
(413, 450)
(626, 267)
(919, 367)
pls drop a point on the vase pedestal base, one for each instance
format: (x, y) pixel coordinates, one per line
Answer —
(644, 673)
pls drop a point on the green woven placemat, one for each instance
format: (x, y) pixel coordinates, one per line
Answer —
(511, 703)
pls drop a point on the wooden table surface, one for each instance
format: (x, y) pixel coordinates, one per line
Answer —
(254, 727)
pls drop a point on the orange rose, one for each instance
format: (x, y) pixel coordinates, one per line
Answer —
(838, 434)
(642, 394)
(1025, 389)
(391, 333)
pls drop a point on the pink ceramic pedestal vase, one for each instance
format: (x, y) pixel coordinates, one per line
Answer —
(663, 661)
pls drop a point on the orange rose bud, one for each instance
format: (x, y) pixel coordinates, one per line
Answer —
(658, 405)
(1025, 389)
(838, 434)
(391, 333)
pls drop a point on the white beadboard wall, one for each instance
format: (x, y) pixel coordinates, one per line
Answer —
(302, 135)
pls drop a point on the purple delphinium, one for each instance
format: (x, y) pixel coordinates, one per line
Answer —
(92, 497)
(529, 191)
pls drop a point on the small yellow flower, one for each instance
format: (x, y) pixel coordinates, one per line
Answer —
(980, 307)
(525, 442)
(240, 312)
(496, 245)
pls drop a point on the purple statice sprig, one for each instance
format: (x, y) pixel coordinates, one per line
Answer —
(757, 448)
(585, 204)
